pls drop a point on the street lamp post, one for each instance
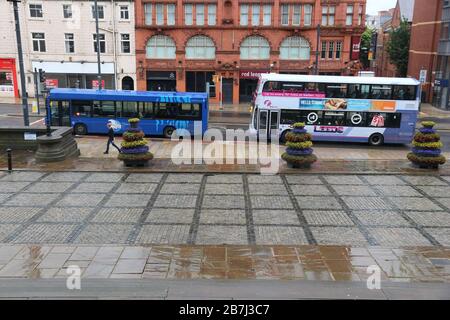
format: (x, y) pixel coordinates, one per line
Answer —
(316, 66)
(99, 75)
(26, 120)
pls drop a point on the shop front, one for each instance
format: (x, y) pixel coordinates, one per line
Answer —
(161, 81)
(8, 78)
(248, 79)
(76, 74)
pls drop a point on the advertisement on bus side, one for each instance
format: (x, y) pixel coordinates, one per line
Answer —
(347, 104)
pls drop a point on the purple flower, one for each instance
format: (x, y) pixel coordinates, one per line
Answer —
(427, 130)
(426, 152)
(299, 152)
(143, 149)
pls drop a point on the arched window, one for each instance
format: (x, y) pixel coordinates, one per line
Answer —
(200, 47)
(295, 48)
(255, 47)
(161, 47)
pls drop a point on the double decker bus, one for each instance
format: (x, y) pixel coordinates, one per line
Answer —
(373, 110)
(161, 113)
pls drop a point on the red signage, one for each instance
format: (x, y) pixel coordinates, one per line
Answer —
(356, 40)
(51, 83)
(95, 84)
(8, 66)
(251, 74)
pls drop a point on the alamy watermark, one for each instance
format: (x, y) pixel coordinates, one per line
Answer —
(235, 146)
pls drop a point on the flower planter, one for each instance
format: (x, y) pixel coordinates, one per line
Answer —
(299, 153)
(134, 151)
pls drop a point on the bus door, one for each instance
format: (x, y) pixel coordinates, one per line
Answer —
(268, 123)
(60, 113)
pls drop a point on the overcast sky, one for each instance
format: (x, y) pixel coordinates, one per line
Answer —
(373, 6)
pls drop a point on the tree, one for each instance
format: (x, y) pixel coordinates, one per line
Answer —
(366, 39)
(398, 47)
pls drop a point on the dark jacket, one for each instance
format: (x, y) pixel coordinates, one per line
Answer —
(111, 133)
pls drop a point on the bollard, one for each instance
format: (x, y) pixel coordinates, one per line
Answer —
(49, 131)
(8, 151)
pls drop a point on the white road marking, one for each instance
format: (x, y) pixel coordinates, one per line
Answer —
(37, 121)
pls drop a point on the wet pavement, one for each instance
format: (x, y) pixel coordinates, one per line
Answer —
(306, 262)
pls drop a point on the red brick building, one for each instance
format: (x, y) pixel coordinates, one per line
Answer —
(423, 48)
(182, 44)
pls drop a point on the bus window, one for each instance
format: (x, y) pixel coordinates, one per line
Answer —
(393, 120)
(376, 119)
(334, 119)
(404, 93)
(189, 111)
(336, 90)
(356, 119)
(147, 110)
(104, 109)
(358, 91)
(81, 108)
(129, 109)
(165, 110)
(291, 116)
(353, 91)
(364, 91)
(381, 92)
(313, 117)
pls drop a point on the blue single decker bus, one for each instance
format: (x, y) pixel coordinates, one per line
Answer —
(161, 113)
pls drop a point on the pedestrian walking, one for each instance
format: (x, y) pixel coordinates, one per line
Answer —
(110, 138)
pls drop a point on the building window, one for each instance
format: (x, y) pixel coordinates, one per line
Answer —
(330, 49)
(188, 14)
(200, 47)
(171, 14)
(323, 53)
(124, 14)
(295, 48)
(161, 47)
(159, 14)
(69, 42)
(328, 15)
(296, 12)
(338, 49)
(67, 11)
(267, 14)
(255, 14)
(101, 12)
(360, 14)
(38, 41)
(212, 8)
(102, 41)
(244, 15)
(255, 47)
(125, 43)
(349, 16)
(308, 14)
(148, 13)
(36, 11)
(200, 14)
(284, 14)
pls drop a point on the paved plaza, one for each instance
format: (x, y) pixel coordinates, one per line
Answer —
(213, 209)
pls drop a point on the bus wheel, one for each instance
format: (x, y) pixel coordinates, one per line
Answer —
(283, 136)
(80, 129)
(376, 139)
(168, 132)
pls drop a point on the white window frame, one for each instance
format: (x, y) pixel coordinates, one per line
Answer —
(296, 16)
(243, 14)
(360, 14)
(285, 12)
(171, 14)
(68, 41)
(122, 41)
(200, 47)
(100, 41)
(253, 50)
(64, 6)
(267, 14)
(307, 18)
(256, 14)
(36, 10)
(102, 10)
(188, 14)
(39, 42)
(338, 50)
(199, 14)
(168, 52)
(349, 15)
(148, 14)
(126, 12)
(212, 14)
(295, 48)
(159, 10)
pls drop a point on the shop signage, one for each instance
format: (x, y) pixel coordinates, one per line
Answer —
(251, 74)
(95, 84)
(51, 83)
(423, 76)
(355, 47)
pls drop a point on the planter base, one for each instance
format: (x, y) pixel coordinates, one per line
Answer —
(135, 163)
(298, 166)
